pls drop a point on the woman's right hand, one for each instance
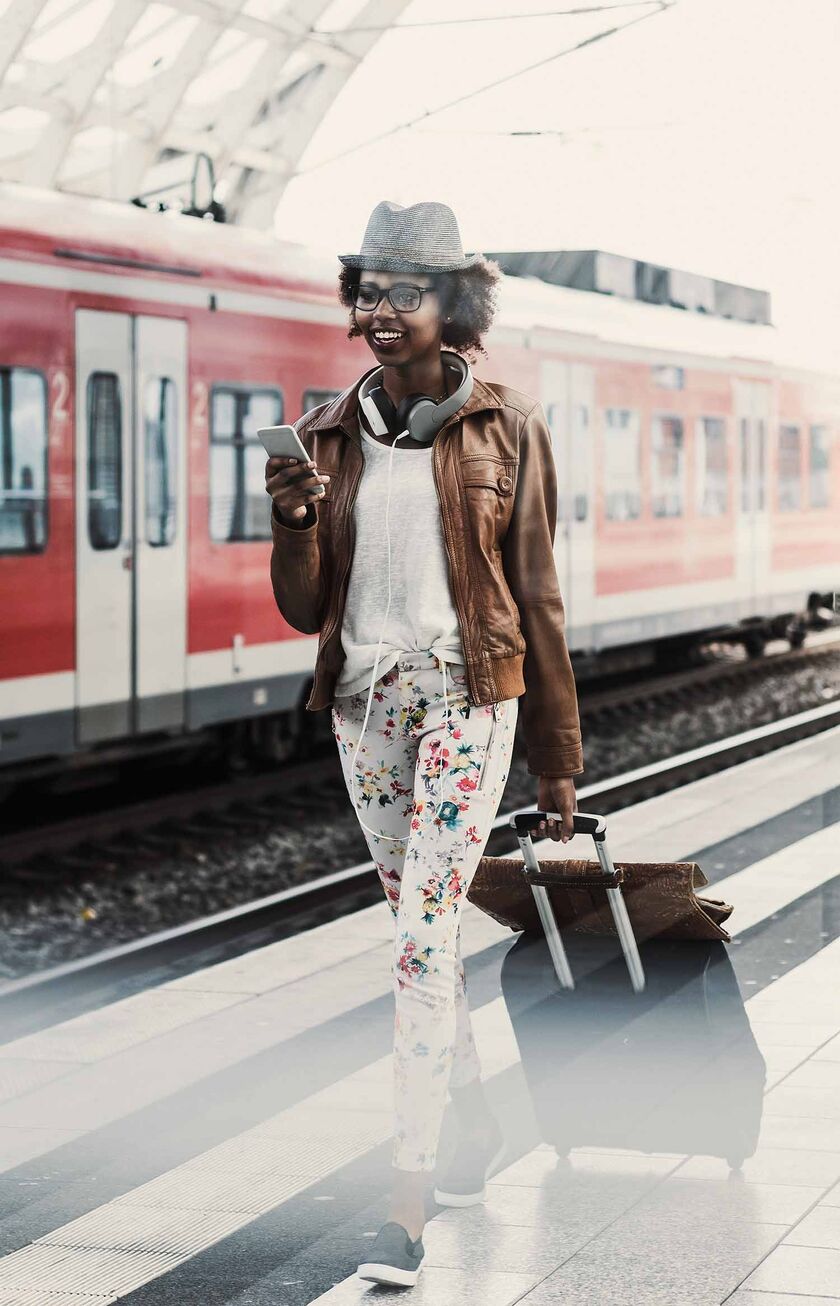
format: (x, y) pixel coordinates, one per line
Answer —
(292, 489)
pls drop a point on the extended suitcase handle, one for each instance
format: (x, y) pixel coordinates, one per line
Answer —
(584, 823)
(610, 879)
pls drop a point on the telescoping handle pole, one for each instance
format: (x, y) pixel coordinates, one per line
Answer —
(523, 823)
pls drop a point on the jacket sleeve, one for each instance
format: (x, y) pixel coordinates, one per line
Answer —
(296, 572)
(549, 706)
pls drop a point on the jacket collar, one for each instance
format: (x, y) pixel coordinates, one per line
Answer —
(343, 410)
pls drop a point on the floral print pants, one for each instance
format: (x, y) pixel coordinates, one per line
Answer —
(426, 870)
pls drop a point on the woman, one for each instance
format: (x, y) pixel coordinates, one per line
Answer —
(438, 745)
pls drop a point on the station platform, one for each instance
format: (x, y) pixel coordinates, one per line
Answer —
(225, 1137)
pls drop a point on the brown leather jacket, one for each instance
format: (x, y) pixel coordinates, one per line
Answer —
(497, 485)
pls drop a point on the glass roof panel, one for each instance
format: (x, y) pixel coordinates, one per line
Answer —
(92, 152)
(229, 65)
(266, 9)
(65, 28)
(19, 129)
(154, 45)
(339, 14)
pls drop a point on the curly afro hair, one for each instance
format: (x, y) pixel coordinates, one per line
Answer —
(467, 296)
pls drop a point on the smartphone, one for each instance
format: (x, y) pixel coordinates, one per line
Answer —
(284, 442)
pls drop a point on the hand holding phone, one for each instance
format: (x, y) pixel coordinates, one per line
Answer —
(290, 488)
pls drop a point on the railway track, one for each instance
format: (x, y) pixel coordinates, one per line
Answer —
(52, 852)
(57, 993)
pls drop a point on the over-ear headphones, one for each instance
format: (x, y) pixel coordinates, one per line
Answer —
(417, 415)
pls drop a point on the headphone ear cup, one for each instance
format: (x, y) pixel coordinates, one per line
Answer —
(403, 412)
(384, 406)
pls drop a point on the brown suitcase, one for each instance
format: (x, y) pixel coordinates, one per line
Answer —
(633, 900)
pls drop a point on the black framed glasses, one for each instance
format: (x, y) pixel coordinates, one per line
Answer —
(403, 298)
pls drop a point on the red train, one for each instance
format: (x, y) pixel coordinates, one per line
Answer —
(698, 474)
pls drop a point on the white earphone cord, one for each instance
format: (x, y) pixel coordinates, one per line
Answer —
(393, 837)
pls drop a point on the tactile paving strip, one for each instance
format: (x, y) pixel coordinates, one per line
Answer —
(111, 1251)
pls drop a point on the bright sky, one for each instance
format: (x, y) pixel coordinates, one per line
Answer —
(704, 138)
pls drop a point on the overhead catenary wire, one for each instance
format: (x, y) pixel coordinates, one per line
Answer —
(569, 132)
(661, 7)
(575, 12)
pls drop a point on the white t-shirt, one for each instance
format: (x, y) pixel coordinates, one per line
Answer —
(422, 616)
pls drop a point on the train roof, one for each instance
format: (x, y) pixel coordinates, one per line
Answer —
(53, 225)
(45, 223)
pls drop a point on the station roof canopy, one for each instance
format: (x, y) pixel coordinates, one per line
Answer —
(117, 98)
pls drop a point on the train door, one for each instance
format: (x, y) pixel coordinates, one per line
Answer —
(567, 392)
(752, 407)
(131, 541)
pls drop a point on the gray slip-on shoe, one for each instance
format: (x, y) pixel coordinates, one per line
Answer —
(393, 1257)
(462, 1183)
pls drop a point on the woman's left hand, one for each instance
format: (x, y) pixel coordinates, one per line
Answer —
(557, 794)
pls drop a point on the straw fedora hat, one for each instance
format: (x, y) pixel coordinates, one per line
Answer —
(423, 237)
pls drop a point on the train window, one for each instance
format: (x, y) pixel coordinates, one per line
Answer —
(552, 417)
(760, 462)
(572, 471)
(712, 490)
(160, 418)
(104, 413)
(622, 465)
(313, 397)
(23, 461)
(790, 468)
(668, 376)
(667, 466)
(581, 458)
(240, 509)
(753, 468)
(818, 480)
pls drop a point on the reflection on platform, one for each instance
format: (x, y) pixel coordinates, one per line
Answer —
(224, 1137)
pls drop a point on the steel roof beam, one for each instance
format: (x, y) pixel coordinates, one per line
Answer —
(17, 24)
(81, 75)
(295, 118)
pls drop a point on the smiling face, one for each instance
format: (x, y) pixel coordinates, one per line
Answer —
(420, 329)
